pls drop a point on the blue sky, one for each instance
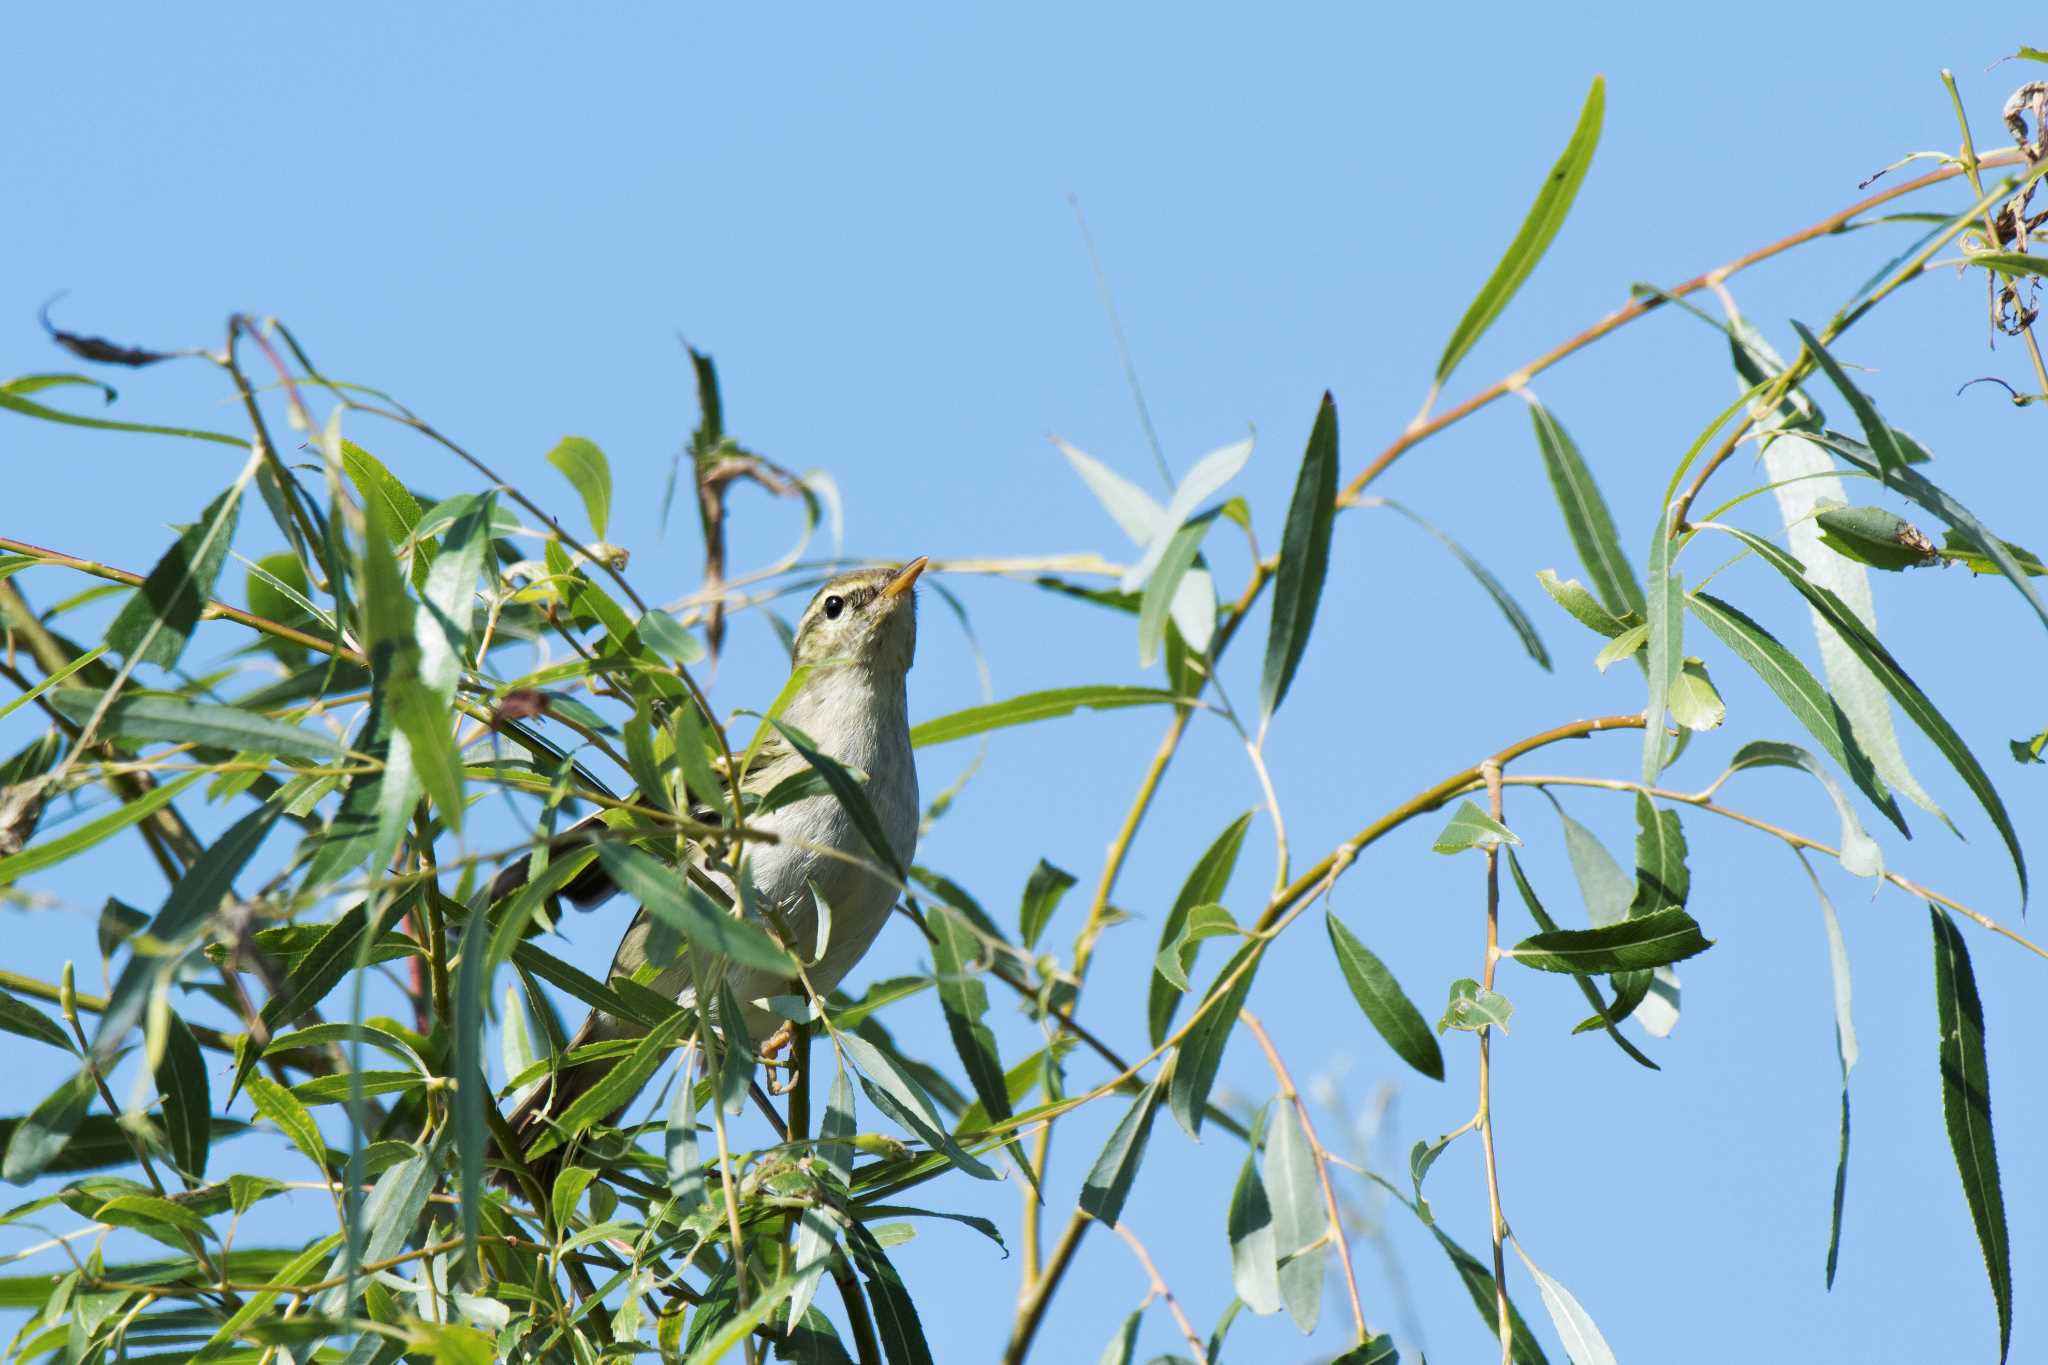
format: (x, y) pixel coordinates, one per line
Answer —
(507, 217)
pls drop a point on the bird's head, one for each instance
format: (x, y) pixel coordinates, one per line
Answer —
(867, 618)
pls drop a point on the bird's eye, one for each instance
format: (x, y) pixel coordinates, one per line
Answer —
(833, 606)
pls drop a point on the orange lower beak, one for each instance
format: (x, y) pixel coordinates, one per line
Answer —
(902, 582)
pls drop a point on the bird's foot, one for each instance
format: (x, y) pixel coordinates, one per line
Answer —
(777, 1043)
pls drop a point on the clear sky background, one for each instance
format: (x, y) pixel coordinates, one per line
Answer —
(506, 215)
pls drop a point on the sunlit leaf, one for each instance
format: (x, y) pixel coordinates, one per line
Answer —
(1034, 706)
(1206, 477)
(1472, 1007)
(585, 467)
(1471, 827)
(1575, 1327)
(1585, 515)
(154, 625)
(1653, 940)
(1859, 854)
(1384, 1002)
(1300, 1221)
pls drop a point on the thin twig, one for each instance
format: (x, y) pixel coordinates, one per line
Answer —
(1187, 1329)
(1490, 772)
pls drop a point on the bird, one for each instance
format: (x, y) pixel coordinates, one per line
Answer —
(854, 645)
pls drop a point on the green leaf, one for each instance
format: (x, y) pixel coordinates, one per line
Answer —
(1379, 1351)
(617, 1087)
(584, 465)
(852, 797)
(187, 1096)
(1471, 827)
(957, 959)
(1254, 1260)
(149, 1210)
(158, 717)
(1654, 940)
(1109, 1180)
(38, 1139)
(902, 1335)
(1205, 477)
(55, 850)
(678, 902)
(1472, 1007)
(395, 509)
(472, 1091)
(195, 898)
(1205, 885)
(1859, 854)
(685, 1166)
(284, 1109)
(1963, 549)
(1122, 1348)
(11, 399)
(1178, 953)
(155, 623)
(1480, 1287)
(27, 1021)
(1042, 893)
(664, 636)
(1304, 558)
(1665, 613)
(1575, 1326)
(1035, 706)
(1695, 704)
(1625, 645)
(387, 1220)
(1585, 608)
(1876, 536)
(424, 723)
(1384, 1002)
(1903, 689)
(1200, 1053)
(1890, 458)
(1586, 517)
(1502, 598)
(1548, 925)
(1546, 215)
(1300, 1220)
(899, 1096)
(1810, 703)
(2029, 750)
(1966, 1107)
(1162, 589)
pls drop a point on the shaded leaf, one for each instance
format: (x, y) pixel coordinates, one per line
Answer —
(1042, 893)
(37, 1140)
(187, 1097)
(1876, 536)
(1201, 1051)
(1586, 517)
(1524, 628)
(1304, 558)
(1109, 1180)
(898, 1095)
(1177, 955)
(1206, 477)
(1205, 884)
(1548, 925)
(1966, 1108)
(1665, 614)
(1034, 706)
(1254, 1258)
(1584, 608)
(1859, 854)
(1651, 941)
(157, 717)
(1300, 1221)
(154, 624)
(679, 902)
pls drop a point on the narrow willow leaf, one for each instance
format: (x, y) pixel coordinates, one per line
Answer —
(1803, 480)
(897, 1094)
(389, 1218)
(1254, 1259)
(187, 1096)
(1471, 827)
(293, 1119)
(1379, 1351)
(447, 595)
(424, 723)
(195, 898)
(1625, 645)
(11, 398)
(1524, 628)
(1966, 1107)
(685, 1166)
(896, 1322)
(689, 911)
(1201, 1052)
(1162, 589)
(1859, 854)
(1546, 215)
(1472, 1007)
(472, 1092)
(38, 1139)
(957, 958)
(1384, 1002)
(1205, 885)
(665, 637)
(618, 1086)
(1300, 1220)
(1122, 1348)
(586, 469)
(19, 1017)
(59, 847)
(1136, 512)
(1304, 558)
(1652, 941)
(1810, 703)
(1479, 1285)
(1890, 458)
(1575, 1326)
(1915, 703)
(1178, 954)
(156, 622)
(1042, 893)
(157, 717)
(1035, 706)
(1845, 1055)
(1109, 1179)
(1587, 518)
(1665, 613)
(1207, 476)
(1584, 608)
(1548, 925)
(734, 1070)
(852, 797)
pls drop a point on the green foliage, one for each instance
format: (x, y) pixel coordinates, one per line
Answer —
(613, 1197)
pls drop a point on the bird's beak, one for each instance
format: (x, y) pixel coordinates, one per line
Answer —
(902, 582)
